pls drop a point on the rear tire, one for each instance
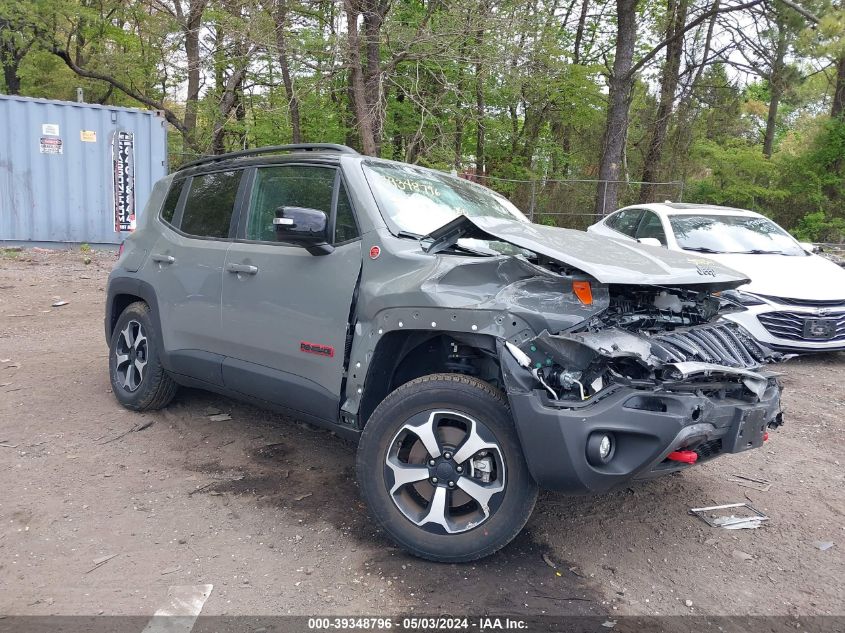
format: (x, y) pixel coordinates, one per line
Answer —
(138, 380)
(440, 466)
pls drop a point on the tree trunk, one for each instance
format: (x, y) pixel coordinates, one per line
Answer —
(373, 20)
(228, 102)
(280, 19)
(480, 105)
(480, 109)
(191, 25)
(10, 74)
(619, 93)
(771, 118)
(564, 129)
(192, 53)
(837, 109)
(579, 32)
(676, 18)
(775, 90)
(10, 58)
(460, 119)
(357, 87)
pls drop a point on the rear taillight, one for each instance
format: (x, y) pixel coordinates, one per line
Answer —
(120, 249)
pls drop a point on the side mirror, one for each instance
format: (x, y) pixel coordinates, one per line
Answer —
(809, 247)
(650, 241)
(309, 227)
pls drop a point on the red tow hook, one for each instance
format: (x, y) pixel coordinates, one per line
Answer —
(766, 436)
(688, 457)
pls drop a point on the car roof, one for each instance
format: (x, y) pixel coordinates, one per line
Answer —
(689, 208)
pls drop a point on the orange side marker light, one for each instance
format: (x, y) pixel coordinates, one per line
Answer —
(583, 291)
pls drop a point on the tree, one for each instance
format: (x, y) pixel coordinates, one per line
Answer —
(676, 17)
(16, 40)
(620, 85)
(761, 48)
(280, 11)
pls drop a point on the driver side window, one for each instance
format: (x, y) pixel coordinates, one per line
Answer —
(308, 186)
(287, 186)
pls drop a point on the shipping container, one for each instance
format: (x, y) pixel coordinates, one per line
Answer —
(76, 172)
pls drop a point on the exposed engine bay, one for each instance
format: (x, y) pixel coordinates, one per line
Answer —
(650, 337)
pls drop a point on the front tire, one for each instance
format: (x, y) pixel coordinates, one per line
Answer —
(138, 380)
(440, 466)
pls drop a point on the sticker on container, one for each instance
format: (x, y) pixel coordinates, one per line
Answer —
(88, 136)
(123, 162)
(51, 145)
(49, 129)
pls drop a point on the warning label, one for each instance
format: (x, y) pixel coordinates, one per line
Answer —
(51, 145)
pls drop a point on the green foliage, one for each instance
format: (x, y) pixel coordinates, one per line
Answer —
(738, 176)
(818, 227)
(803, 189)
(452, 70)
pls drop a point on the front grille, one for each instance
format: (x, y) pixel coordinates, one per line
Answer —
(722, 343)
(790, 325)
(808, 303)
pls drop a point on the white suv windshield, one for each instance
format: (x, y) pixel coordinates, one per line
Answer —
(418, 200)
(732, 234)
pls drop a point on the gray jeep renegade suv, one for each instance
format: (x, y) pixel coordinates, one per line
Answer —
(473, 355)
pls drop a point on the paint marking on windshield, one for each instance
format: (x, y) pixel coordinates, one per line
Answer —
(416, 186)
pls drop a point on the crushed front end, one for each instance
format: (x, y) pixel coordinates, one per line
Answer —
(652, 383)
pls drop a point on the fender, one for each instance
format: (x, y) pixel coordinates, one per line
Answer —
(137, 288)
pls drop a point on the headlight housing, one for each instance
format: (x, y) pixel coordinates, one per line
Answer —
(741, 297)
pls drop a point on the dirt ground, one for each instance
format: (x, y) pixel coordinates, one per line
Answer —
(266, 509)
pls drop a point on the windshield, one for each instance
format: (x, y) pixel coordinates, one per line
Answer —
(418, 200)
(732, 234)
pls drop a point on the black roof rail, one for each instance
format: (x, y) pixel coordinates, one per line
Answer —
(272, 149)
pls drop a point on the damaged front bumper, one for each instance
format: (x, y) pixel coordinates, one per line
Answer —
(555, 435)
(696, 407)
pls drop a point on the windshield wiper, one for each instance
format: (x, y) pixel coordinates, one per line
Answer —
(758, 251)
(447, 235)
(413, 236)
(702, 249)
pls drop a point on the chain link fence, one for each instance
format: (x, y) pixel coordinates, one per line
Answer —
(571, 203)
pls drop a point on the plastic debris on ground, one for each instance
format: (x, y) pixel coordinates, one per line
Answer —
(763, 485)
(752, 520)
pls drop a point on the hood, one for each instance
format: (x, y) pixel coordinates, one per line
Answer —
(610, 261)
(811, 277)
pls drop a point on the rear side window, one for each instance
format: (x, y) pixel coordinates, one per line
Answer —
(211, 200)
(168, 209)
(625, 221)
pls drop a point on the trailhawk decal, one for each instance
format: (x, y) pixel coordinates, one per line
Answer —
(316, 348)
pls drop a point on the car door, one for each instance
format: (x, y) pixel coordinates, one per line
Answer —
(188, 263)
(285, 311)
